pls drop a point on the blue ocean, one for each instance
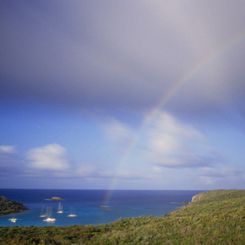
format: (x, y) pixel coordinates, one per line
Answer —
(91, 206)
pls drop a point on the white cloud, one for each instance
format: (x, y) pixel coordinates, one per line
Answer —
(48, 157)
(7, 149)
(169, 142)
(166, 142)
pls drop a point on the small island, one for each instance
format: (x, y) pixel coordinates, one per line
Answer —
(55, 198)
(7, 206)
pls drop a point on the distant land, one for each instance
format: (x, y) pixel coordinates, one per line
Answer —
(214, 217)
(7, 206)
(54, 199)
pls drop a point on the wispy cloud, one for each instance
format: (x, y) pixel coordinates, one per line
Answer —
(7, 149)
(48, 157)
(171, 143)
(52, 161)
(167, 142)
(11, 163)
(222, 174)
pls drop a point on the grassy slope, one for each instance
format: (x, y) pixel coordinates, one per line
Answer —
(215, 217)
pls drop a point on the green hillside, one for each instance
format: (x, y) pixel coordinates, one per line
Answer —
(215, 217)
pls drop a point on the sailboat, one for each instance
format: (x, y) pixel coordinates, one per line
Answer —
(60, 209)
(48, 218)
(13, 220)
(71, 215)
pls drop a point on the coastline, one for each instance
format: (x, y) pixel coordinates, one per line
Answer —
(89, 205)
(216, 218)
(8, 206)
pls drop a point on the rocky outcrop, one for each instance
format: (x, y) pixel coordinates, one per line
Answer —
(197, 197)
(7, 206)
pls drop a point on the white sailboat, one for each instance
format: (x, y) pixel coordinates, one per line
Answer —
(13, 220)
(72, 214)
(48, 218)
(60, 209)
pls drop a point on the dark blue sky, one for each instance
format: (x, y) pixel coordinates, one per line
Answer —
(122, 94)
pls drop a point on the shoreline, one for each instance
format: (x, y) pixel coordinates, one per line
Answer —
(215, 218)
(8, 207)
(184, 204)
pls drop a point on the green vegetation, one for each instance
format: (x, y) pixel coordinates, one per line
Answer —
(215, 217)
(7, 206)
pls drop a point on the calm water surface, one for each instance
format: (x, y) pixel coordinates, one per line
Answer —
(92, 206)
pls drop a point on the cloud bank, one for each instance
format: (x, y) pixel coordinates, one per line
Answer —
(125, 54)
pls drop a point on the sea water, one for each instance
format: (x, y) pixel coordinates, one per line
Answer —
(92, 206)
